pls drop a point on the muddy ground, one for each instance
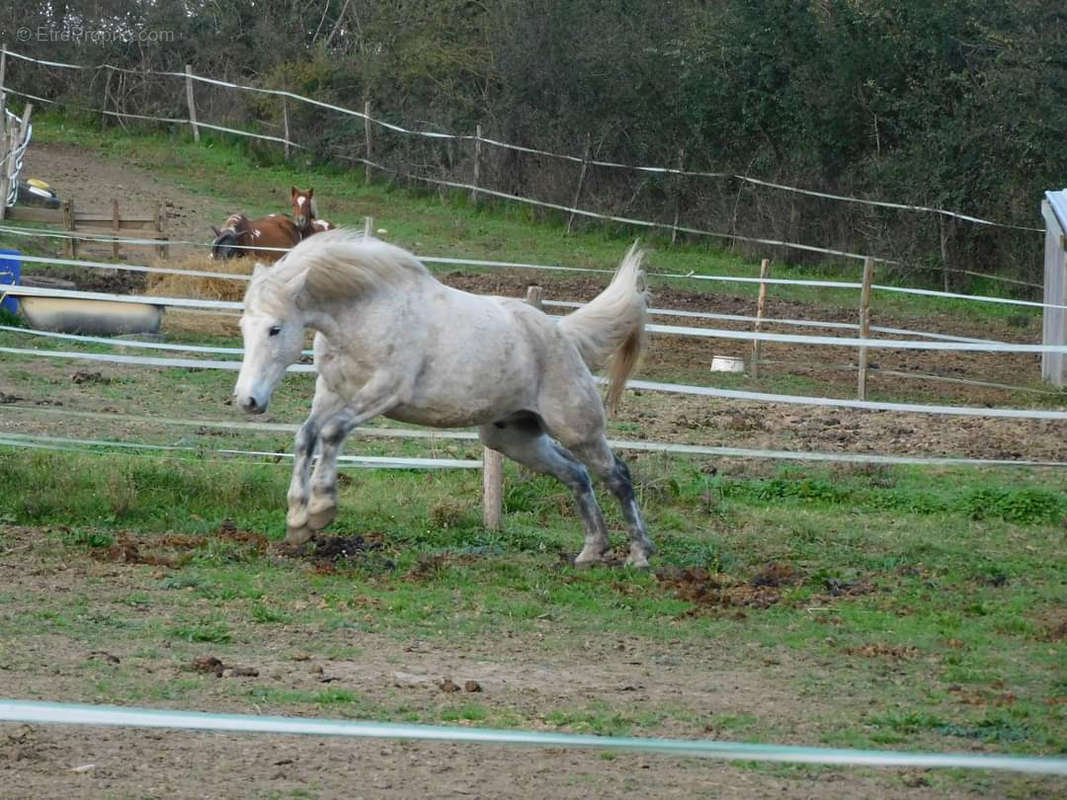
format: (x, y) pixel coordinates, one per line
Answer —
(522, 673)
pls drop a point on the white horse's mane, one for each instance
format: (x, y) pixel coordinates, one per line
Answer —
(337, 264)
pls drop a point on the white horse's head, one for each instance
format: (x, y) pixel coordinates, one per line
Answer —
(273, 330)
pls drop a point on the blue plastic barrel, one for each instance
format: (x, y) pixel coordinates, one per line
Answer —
(10, 272)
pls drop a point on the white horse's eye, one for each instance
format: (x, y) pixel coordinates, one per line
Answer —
(275, 330)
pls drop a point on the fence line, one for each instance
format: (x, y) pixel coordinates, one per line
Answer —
(106, 239)
(704, 333)
(37, 712)
(588, 270)
(669, 388)
(559, 304)
(519, 148)
(371, 462)
(434, 436)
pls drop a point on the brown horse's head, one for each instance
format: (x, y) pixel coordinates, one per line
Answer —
(304, 211)
(234, 235)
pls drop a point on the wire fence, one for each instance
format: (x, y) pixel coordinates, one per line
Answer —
(466, 162)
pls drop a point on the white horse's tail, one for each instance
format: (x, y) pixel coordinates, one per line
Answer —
(610, 330)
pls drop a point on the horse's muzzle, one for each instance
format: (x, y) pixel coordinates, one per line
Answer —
(249, 405)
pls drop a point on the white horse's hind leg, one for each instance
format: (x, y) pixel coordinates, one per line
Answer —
(607, 466)
(522, 439)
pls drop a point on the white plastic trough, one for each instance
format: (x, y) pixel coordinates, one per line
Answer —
(727, 364)
(97, 317)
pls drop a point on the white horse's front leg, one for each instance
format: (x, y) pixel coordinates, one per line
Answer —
(296, 519)
(322, 507)
(323, 407)
(368, 403)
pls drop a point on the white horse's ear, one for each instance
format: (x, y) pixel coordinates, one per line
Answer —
(294, 288)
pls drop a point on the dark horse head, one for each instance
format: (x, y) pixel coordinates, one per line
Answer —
(232, 238)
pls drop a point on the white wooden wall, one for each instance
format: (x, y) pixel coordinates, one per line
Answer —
(1054, 210)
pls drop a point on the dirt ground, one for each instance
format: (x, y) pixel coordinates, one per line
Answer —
(91, 180)
(521, 673)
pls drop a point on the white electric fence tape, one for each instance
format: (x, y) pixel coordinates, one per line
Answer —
(35, 712)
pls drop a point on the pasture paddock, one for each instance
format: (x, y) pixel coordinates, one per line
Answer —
(884, 607)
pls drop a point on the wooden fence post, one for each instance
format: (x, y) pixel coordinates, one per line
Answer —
(865, 325)
(115, 227)
(945, 232)
(3, 67)
(71, 248)
(161, 229)
(368, 227)
(366, 135)
(191, 102)
(764, 268)
(285, 125)
(477, 163)
(678, 196)
(492, 488)
(5, 149)
(107, 98)
(492, 461)
(581, 179)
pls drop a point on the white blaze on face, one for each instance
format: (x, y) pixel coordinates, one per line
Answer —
(270, 346)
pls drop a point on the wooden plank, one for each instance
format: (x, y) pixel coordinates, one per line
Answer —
(89, 219)
(50, 216)
(865, 325)
(141, 233)
(761, 300)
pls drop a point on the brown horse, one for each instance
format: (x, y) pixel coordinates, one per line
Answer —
(241, 236)
(305, 213)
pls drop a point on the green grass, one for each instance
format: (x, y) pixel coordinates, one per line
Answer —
(912, 624)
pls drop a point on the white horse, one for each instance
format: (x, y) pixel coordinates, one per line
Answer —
(391, 339)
